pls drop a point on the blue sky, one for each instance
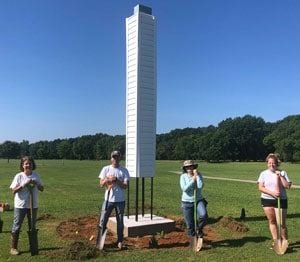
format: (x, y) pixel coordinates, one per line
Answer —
(62, 64)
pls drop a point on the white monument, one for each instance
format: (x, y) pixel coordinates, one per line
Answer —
(141, 119)
(141, 92)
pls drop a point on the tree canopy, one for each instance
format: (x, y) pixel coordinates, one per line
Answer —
(246, 138)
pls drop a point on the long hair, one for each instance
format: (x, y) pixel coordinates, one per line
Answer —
(29, 159)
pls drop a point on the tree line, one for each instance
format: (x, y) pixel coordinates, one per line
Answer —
(246, 138)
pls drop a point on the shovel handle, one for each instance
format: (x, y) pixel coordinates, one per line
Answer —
(279, 212)
(195, 206)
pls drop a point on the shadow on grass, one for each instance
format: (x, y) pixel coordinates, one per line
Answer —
(262, 218)
(42, 249)
(238, 242)
(293, 247)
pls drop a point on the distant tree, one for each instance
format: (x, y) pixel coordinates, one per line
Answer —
(24, 148)
(244, 137)
(10, 150)
(186, 148)
(102, 147)
(286, 138)
(64, 149)
(83, 148)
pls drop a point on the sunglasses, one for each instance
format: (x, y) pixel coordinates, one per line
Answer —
(189, 167)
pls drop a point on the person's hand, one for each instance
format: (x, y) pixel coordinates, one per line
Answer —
(276, 194)
(32, 183)
(195, 172)
(110, 179)
(278, 173)
(25, 182)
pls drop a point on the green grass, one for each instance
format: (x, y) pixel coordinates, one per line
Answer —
(72, 190)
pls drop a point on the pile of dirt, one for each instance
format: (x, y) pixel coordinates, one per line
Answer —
(85, 228)
(233, 225)
(82, 234)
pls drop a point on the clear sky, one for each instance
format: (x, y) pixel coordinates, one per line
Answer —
(62, 64)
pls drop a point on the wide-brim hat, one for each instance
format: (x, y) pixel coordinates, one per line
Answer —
(116, 154)
(187, 163)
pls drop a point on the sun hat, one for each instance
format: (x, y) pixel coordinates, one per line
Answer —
(115, 153)
(187, 163)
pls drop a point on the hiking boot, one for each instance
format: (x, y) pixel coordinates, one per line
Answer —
(14, 251)
(272, 245)
(14, 237)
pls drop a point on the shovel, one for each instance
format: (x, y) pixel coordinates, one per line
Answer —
(101, 230)
(197, 241)
(280, 245)
(1, 225)
(32, 232)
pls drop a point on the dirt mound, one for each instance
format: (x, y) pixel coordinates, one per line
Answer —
(230, 223)
(45, 217)
(85, 229)
(82, 234)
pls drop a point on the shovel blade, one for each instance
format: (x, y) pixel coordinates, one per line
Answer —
(280, 246)
(33, 241)
(199, 244)
(193, 243)
(101, 238)
(196, 243)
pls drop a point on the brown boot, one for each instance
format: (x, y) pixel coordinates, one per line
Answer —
(14, 243)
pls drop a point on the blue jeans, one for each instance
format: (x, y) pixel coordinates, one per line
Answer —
(19, 215)
(119, 209)
(188, 213)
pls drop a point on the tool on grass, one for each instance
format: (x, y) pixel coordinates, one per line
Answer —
(101, 230)
(197, 240)
(280, 245)
(32, 231)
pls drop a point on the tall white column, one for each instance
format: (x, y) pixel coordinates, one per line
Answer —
(141, 92)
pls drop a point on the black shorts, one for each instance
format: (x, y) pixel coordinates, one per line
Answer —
(274, 203)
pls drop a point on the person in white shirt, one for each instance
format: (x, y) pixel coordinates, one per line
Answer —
(115, 179)
(21, 186)
(268, 186)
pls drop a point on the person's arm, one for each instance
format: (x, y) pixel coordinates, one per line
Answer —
(284, 182)
(20, 187)
(198, 179)
(16, 189)
(40, 187)
(263, 189)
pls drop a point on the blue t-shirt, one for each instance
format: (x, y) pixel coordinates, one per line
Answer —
(187, 185)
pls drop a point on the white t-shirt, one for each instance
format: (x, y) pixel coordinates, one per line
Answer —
(22, 197)
(269, 179)
(121, 173)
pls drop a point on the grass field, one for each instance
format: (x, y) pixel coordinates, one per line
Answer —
(71, 190)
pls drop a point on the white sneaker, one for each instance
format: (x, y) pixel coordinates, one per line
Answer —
(120, 245)
(14, 251)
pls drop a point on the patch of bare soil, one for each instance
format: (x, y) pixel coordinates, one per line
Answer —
(82, 234)
(85, 228)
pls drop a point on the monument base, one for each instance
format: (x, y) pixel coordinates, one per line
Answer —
(144, 226)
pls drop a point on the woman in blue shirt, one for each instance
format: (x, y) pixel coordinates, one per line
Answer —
(192, 180)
